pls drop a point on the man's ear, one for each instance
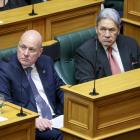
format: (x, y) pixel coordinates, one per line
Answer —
(41, 50)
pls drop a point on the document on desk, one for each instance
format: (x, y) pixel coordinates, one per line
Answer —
(58, 122)
(3, 119)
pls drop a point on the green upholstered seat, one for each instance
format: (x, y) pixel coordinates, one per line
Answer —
(6, 53)
(49, 50)
(68, 44)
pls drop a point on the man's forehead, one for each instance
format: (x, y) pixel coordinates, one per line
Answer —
(107, 23)
(29, 42)
(28, 46)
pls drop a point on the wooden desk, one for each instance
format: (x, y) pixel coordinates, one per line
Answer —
(54, 17)
(131, 19)
(114, 114)
(17, 128)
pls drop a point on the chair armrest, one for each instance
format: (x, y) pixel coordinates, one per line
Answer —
(52, 49)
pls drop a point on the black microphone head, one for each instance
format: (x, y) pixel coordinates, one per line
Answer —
(134, 62)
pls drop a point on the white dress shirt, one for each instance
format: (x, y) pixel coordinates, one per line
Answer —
(39, 86)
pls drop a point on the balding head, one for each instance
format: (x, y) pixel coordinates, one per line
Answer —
(32, 37)
(29, 48)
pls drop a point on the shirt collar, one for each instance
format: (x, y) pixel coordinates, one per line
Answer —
(33, 66)
(114, 47)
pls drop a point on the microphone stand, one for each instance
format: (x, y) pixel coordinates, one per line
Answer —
(33, 11)
(94, 93)
(21, 113)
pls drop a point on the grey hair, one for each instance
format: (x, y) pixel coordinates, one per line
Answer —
(109, 13)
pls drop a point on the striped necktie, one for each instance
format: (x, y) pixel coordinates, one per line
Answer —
(45, 109)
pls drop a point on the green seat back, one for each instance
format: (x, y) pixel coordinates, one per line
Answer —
(68, 44)
(6, 53)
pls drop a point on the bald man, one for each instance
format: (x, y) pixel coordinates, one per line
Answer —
(16, 86)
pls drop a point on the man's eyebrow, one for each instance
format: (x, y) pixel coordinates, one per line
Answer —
(107, 27)
(21, 44)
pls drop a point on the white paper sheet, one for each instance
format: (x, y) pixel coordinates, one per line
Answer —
(3, 119)
(58, 122)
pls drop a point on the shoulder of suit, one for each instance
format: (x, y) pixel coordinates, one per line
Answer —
(45, 58)
(124, 37)
(87, 44)
(126, 41)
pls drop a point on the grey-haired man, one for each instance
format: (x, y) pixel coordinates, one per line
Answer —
(113, 53)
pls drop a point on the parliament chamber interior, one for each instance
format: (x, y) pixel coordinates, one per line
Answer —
(65, 25)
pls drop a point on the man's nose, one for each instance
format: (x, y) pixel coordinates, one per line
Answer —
(26, 52)
(107, 33)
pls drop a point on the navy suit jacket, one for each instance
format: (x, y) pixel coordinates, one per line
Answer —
(86, 56)
(16, 88)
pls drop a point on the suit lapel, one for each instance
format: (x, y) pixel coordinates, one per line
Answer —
(26, 89)
(124, 53)
(43, 71)
(43, 74)
(102, 57)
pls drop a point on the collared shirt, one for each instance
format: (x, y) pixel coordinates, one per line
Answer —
(39, 86)
(116, 55)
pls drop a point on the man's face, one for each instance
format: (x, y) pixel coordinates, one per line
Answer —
(28, 53)
(107, 32)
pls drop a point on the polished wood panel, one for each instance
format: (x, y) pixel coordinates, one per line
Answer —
(131, 19)
(10, 35)
(132, 10)
(17, 128)
(54, 17)
(132, 29)
(112, 114)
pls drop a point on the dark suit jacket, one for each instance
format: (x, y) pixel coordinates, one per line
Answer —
(16, 88)
(35, 1)
(13, 4)
(85, 58)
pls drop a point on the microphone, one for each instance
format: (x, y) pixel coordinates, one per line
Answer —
(21, 113)
(94, 93)
(33, 11)
(134, 62)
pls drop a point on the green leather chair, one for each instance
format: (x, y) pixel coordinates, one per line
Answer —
(6, 53)
(51, 49)
(68, 44)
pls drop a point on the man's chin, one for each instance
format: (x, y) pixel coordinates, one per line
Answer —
(107, 44)
(25, 65)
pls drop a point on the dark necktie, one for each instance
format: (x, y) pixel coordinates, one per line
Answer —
(45, 109)
(113, 63)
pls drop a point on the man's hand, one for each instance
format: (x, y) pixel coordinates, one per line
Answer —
(43, 123)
